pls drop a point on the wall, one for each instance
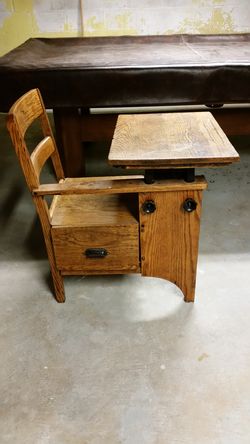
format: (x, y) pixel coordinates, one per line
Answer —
(166, 16)
(21, 19)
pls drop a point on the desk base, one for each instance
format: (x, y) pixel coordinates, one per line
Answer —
(130, 227)
(170, 238)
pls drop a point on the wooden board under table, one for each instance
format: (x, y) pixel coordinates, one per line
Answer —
(170, 141)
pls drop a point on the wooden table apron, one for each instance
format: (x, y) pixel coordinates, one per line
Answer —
(76, 74)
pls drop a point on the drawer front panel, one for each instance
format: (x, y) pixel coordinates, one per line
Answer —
(118, 246)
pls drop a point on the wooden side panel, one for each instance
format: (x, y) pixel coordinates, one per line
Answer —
(169, 239)
(68, 135)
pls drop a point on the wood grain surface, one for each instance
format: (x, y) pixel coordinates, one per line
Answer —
(94, 210)
(121, 243)
(170, 139)
(28, 108)
(41, 154)
(108, 222)
(169, 239)
(104, 212)
(115, 184)
(68, 136)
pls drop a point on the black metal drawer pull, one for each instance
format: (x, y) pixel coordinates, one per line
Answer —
(95, 252)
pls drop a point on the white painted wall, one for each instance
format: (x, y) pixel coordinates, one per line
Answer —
(166, 16)
(57, 15)
(21, 19)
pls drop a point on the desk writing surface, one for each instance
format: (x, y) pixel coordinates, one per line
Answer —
(129, 71)
(170, 140)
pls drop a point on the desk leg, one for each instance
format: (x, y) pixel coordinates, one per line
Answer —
(68, 136)
(170, 238)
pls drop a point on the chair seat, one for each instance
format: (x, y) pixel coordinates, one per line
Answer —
(85, 210)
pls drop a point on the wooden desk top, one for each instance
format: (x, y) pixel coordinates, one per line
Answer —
(170, 140)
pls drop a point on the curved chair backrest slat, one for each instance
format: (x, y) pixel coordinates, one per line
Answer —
(26, 109)
(21, 115)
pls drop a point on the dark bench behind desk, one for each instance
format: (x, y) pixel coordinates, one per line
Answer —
(76, 74)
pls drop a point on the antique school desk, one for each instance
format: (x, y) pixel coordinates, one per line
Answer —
(164, 229)
(76, 74)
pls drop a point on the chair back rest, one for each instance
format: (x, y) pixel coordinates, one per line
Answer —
(21, 115)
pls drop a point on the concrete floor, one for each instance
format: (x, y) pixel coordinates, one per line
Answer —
(125, 360)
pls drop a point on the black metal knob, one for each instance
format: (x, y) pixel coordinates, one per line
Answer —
(189, 205)
(148, 206)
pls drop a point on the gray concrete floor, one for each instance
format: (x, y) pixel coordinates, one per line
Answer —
(125, 360)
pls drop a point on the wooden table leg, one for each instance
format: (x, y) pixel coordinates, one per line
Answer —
(69, 140)
(170, 238)
(234, 121)
(97, 127)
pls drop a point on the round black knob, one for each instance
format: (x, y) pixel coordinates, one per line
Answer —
(189, 205)
(148, 206)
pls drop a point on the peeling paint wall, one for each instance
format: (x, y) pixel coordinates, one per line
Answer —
(21, 19)
(115, 17)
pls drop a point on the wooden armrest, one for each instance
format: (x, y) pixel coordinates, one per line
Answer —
(116, 184)
(85, 185)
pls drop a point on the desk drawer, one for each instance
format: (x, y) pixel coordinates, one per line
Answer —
(120, 245)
